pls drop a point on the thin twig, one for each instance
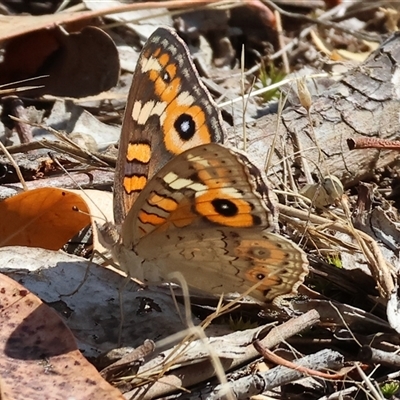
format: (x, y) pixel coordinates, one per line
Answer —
(373, 143)
(269, 355)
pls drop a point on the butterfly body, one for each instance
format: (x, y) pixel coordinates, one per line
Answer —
(186, 203)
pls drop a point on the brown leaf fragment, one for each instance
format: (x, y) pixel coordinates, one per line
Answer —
(38, 353)
(76, 64)
(43, 217)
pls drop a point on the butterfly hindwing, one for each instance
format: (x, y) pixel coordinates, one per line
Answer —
(209, 214)
(208, 185)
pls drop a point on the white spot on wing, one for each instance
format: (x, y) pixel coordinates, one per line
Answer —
(177, 183)
(145, 112)
(159, 108)
(185, 99)
(141, 113)
(137, 106)
(150, 64)
(170, 177)
(231, 192)
(197, 159)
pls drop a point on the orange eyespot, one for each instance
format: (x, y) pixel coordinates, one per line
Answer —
(217, 207)
(184, 127)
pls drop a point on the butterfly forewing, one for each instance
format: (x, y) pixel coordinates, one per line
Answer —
(168, 111)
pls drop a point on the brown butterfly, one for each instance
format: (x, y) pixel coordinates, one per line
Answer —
(185, 202)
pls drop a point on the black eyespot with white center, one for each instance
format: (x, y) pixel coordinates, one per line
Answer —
(166, 77)
(225, 207)
(185, 126)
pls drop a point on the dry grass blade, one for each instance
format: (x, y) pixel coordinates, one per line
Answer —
(15, 165)
(380, 269)
(69, 148)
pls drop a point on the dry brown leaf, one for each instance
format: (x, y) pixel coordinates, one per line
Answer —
(15, 25)
(38, 353)
(76, 64)
(41, 218)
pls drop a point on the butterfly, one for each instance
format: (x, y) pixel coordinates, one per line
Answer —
(184, 201)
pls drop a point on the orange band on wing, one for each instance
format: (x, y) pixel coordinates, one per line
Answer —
(134, 183)
(138, 151)
(171, 69)
(221, 176)
(163, 59)
(167, 91)
(157, 52)
(152, 219)
(183, 215)
(166, 203)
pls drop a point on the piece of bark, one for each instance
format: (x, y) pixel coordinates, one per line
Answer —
(260, 382)
(364, 103)
(368, 354)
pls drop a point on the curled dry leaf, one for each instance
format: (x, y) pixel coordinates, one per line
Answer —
(326, 193)
(38, 353)
(42, 217)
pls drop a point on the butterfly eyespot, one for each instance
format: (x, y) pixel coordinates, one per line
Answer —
(225, 207)
(260, 253)
(185, 126)
(166, 77)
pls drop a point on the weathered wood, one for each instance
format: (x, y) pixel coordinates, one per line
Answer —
(254, 384)
(365, 103)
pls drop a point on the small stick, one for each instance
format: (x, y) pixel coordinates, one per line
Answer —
(281, 42)
(373, 143)
(376, 356)
(268, 354)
